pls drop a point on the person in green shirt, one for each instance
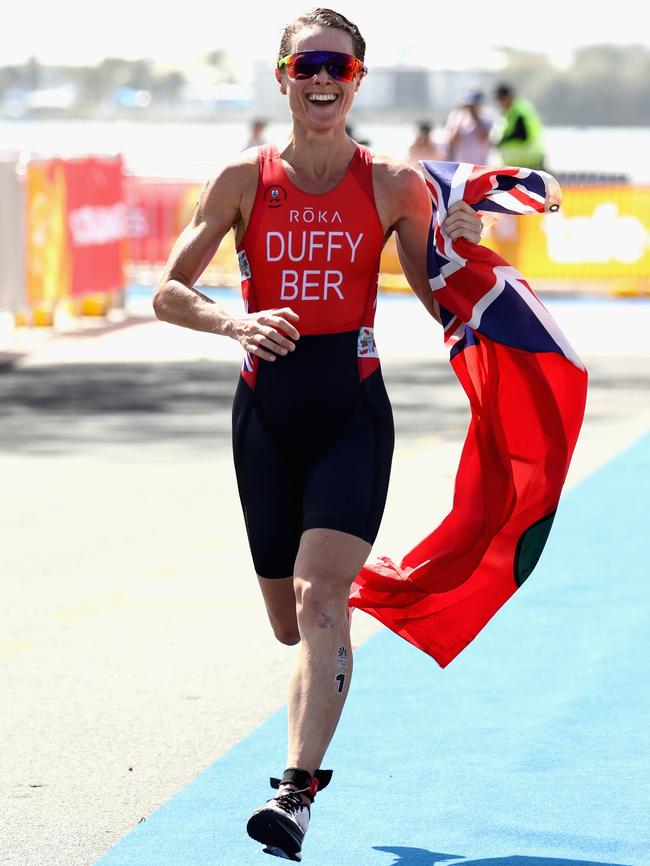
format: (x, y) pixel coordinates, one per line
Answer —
(520, 141)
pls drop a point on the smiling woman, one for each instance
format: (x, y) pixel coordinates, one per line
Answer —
(312, 424)
(321, 62)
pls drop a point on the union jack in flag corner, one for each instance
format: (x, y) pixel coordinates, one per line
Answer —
(527, 389)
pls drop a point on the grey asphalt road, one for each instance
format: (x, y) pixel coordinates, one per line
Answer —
(134, 647)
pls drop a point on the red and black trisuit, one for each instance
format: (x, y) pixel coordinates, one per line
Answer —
(313, 430)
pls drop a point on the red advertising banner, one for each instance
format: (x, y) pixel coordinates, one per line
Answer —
(158, 211)
(96, 222)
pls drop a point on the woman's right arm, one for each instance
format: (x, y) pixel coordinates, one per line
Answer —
(218, 209)
(177, 301)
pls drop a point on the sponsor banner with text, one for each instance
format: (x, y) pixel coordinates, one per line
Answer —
(599, 233)
(96, 222)
(158, 210)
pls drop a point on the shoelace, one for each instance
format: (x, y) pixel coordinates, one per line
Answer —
(290, 802)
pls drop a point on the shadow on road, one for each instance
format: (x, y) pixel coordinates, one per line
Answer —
(72, 408)
(422, 857)
(76, 408)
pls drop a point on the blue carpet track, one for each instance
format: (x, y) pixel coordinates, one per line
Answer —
(531, 749)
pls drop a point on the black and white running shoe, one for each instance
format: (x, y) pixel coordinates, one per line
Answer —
(280, 825)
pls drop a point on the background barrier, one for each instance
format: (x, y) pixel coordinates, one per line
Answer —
(158, 211)
(66, 231)
(47, 264)
(601, 233)
(82, 229)
(599, 241)
(12, 239)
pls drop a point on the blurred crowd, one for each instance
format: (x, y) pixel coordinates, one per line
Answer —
(509, 131)
(473, 132)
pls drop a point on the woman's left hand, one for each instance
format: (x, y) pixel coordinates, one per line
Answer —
(462, 221)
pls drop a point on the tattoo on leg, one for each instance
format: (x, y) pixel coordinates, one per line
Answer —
(340, 679)
(342, 657)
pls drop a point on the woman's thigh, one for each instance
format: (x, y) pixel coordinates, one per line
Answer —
(270, 493)
(346, 486)
(342, 489)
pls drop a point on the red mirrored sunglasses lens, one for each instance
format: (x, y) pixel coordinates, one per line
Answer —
(343, 67)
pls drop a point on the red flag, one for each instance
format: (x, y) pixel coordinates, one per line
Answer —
(526, 388)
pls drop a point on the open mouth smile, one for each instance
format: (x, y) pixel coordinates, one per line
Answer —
(322, 98)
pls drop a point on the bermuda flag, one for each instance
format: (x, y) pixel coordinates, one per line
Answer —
(526, 388)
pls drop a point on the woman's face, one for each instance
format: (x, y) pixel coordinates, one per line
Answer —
(319, 115)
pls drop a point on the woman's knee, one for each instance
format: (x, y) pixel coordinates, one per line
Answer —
(285, 628)
(280, 604)
(286, 634)
(321, 601)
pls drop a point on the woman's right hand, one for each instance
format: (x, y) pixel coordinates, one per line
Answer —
(268, 333)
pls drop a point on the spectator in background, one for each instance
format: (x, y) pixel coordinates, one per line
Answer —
(520, 139)
(256, 137)
(468, 131)
(424, 147)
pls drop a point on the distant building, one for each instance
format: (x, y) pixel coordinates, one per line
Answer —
(18, 102)
(403, 89)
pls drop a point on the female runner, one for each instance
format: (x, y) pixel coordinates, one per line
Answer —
(312, 425)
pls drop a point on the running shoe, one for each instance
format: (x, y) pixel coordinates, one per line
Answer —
(280, 825)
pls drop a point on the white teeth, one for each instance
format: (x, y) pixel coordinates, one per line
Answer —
(321, 97)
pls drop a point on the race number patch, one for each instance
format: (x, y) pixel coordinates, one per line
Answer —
(244, 266)
(366, 347)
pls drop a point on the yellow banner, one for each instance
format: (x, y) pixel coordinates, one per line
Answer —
(47, 270)
(599, 232)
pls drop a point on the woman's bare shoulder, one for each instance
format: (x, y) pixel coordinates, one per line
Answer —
(397, 181)
(232, 181)
(241, 168)
(394, 173)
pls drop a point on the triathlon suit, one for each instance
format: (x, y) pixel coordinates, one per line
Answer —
(312, 430)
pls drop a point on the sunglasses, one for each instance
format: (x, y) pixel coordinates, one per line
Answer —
(342, 67)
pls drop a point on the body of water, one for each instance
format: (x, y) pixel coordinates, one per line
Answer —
(196, 150)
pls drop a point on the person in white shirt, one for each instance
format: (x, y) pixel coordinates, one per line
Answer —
(256, 135)
(468, 131)
(424, 146)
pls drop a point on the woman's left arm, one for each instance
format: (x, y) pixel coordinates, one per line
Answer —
(412, 231)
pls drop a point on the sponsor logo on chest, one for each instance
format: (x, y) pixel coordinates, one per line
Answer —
(314, 215)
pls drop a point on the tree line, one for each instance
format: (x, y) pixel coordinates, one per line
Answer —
(605, 85)
(96, 84)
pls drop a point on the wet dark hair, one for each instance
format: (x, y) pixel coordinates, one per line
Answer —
(322, 18)
(503, 90)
